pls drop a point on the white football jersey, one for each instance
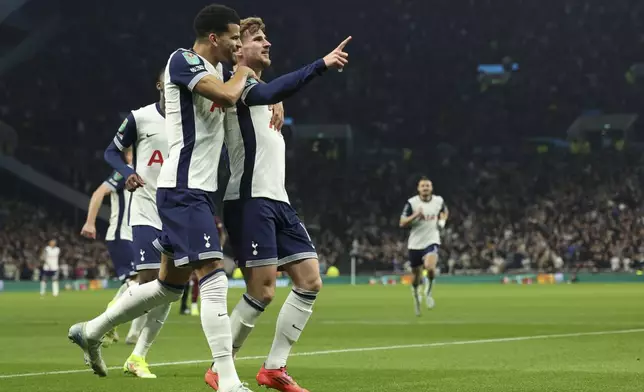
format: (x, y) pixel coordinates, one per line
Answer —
(119, 205)
(257, 153)
(52, 255)
(424, 230)
(194, 125)
(144, 129)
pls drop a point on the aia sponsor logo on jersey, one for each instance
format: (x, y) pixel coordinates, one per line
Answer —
(156, 157)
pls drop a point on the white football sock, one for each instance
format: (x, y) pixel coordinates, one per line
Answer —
(43, 287)
(291, 321)
(154, 322)
(242, 321)
(216, 327)
(138, 323)
(136, 327)
(55, 288)
(122, 289)
(133, 303)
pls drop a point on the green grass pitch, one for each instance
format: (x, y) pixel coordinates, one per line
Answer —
(478, 338)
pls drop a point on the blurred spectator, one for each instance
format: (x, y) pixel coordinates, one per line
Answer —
(25, 230)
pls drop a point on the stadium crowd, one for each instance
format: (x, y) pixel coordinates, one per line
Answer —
(24, 232)
(507, 211)
(545, 212)
(537, 213)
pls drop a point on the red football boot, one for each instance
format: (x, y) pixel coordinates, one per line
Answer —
(278, 379)
(212, 379)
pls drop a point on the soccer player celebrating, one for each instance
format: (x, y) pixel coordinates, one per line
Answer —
(194, 126)
(144, 131)
(264, 230)
(425, 213)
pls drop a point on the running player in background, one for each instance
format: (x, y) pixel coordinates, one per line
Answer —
(192, 289)
(195, 92)
(264, 230)
(426, 214)
(118, 237)
(50, 257)
(144, 131)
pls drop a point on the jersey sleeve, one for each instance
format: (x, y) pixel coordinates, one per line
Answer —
(186, 69)
(282, 87)
(443, 205)
(126, 134)
(250, 83)
(407, 211)
(116, 181)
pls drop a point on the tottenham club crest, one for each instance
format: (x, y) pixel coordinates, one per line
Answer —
(254, 245)
(206, 237)
(142, 252)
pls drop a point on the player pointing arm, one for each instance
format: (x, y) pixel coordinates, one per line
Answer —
(264, 230)
(285, 86)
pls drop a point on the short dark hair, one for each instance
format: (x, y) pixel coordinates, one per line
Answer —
(214, 18)
(423, 178)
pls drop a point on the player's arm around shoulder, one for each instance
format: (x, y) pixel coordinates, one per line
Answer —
(187, 69)
(224, 94)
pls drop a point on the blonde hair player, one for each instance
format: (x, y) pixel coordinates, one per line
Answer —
(425, 213)
(263, 228)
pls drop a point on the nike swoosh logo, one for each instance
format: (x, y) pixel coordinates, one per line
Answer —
(222, 314)
(294, 326)
(150, 134)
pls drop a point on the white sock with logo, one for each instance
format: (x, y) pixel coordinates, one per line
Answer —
(242, 321)
(216, 326)
(292, 319)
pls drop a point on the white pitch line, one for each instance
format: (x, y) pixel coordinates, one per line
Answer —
(359, 349)
(470, 322)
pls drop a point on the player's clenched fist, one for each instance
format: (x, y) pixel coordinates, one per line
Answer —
(133, 182)
(338, 58)
(88, 231)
